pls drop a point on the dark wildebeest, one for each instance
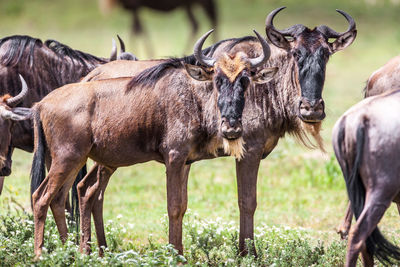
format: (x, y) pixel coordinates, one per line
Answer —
(133, 7)
(292, 104)
(118, 122)
(9, 114)
(45, 67)
(384, 79)
(367, 146)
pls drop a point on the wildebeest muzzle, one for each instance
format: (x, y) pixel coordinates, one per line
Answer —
(311, 110)
(231, 128)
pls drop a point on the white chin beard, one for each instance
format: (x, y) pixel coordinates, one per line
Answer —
(234, 147)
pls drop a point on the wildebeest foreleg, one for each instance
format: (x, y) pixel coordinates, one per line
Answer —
(84, 188)
(246, 172)
(1, 183)
(195, 27)
(176, 196)
(210, 9)
(91, 194)
(103, 176)
(344, 227)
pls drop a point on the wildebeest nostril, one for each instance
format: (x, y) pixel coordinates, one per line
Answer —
(232, 122)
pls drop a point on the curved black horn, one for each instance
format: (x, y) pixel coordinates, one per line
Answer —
(113, 55)
(202, 59)
(121, 43)
(334, 34)
(291, 31)
(13, 101)
(270, 18)
(255, 62)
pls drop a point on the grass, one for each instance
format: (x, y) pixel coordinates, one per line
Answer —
(298, 189)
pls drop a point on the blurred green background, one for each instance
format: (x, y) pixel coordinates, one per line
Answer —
(297, 187)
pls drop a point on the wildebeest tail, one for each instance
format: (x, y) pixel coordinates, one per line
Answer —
(74, 195)
(377, 244)
(38, 170)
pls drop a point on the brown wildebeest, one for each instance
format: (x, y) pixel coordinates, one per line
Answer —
(366, 147)
(382, 80)
(133, 7)
(172, 119)
(45, 66)
(291, 105)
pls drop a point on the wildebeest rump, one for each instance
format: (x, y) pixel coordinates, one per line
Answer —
(173, 120)
(272, 109)
(384, 79)
(366, 146)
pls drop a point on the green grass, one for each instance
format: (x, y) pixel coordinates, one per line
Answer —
(297, 187)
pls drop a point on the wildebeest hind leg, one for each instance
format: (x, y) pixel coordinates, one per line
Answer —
(374, 208)
(61, 172)
(57, 206)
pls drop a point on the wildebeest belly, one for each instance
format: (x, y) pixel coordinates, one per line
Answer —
(136, 144)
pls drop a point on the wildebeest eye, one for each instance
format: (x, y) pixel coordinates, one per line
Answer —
(244, 82)
(295, 54)
(218, 82)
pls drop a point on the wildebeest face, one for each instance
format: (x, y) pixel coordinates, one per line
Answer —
(231, 76)
(231, 102)
(311, 60)
(310, 50)
(9, 114)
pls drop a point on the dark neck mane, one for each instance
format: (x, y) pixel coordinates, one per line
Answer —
(150, 76)
(64, 51)
(18, 47)
(277, 101)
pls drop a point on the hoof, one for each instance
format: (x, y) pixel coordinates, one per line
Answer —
(343, 233)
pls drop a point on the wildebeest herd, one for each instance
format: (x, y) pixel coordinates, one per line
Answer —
(237, 98)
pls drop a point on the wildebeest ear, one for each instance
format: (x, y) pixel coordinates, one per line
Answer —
(15, 114)
(198, 73)
(277, 39)
(343, 41)
(265, 75)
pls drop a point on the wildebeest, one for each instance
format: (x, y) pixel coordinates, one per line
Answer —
(45, 66)
(291, 104)
(9, 114)
(123, 55)
(366, 146)
(384, 79)
(118, 122)
(133, 7)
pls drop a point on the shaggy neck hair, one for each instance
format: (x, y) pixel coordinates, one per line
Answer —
(278, 101)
